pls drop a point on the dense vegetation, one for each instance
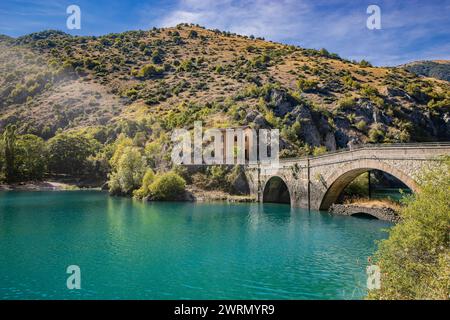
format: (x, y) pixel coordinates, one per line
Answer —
(415, 259)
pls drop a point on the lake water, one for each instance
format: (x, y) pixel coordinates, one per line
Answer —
(132, 250)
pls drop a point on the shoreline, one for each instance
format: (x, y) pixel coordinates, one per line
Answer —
(43, 186)
(194, 194)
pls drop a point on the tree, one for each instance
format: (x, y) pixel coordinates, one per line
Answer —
(128, 172)
(9, 139)
(30, 157)
(68, 153)
(167, 186)
(415, 259)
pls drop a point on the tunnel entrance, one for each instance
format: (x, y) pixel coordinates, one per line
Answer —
(276, 191)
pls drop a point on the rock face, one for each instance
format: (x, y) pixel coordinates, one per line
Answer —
(281, 101)
(386, 214)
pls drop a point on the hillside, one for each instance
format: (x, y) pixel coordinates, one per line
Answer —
(148, 82)
(439, 69)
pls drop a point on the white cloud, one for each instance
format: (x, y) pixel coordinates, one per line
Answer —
(267, 18)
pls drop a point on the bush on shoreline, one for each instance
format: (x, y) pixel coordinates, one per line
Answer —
(167, 186)
(415, 259)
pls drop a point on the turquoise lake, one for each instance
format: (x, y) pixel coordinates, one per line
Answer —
(133, 250)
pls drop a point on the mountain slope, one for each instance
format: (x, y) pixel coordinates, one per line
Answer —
(149, 82)
(439, 69)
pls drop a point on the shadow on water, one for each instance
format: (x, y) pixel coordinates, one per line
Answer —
(277, 212)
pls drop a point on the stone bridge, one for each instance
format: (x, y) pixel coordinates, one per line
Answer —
(316, 182)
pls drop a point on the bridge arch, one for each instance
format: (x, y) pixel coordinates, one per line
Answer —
(276, 190)
(340, 179)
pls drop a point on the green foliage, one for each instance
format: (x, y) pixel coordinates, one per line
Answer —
(148, 71)
(376, 135)
(260, 62)
(144, 190)
(154, 153)
(362, 126)
(187, 65)
(319, 150)
(213, 178)
(306, 85)
(346, 103)
(364, 63)
(128, 169)
(292, 132)
(272, 119)
(30, 158)
(415, 259)
(9, 142)
(358, 188)
(350, 82)
(68, 153)
(167, 186)
(184, 115)
(368, 91)
(219, 69)
(2, 160)
(418, 92)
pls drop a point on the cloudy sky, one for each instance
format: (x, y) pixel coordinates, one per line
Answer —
(410, 29)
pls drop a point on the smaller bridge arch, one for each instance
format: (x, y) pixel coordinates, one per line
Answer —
(341, 178)
(276, 190)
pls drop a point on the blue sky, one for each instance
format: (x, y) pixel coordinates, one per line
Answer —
(411, 29)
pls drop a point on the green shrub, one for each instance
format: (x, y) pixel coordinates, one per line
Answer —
(144, 190)
(186, 65)
(364, 63)
(367, 91)
(347, 103)
(148, 71)
(306, 85)
(376, 135)
(319, 150)
(350, 82)
(415, 260)
(219, 69)
(167, 186)
(361, 125)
